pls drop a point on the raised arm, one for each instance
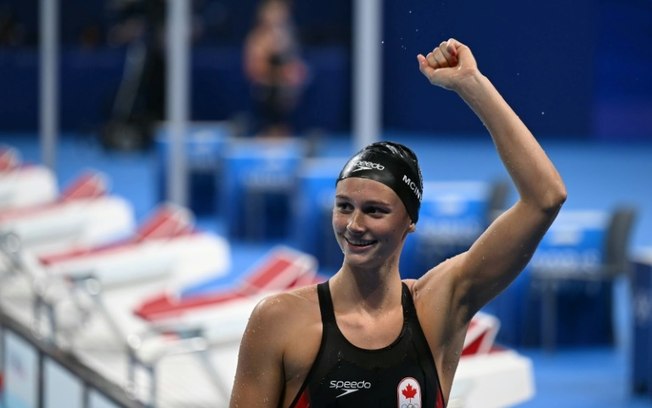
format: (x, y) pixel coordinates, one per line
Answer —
(505, 248)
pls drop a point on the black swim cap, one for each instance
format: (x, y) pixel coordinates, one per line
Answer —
(394, 165)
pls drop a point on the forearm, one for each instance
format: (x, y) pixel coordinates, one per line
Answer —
(534, 175)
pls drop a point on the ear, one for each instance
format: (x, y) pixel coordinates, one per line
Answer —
(412, 227)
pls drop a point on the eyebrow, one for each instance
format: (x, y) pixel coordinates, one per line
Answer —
(366, 201)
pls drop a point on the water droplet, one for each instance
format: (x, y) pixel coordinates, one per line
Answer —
(382, 42)
(410, 11)
(543, 113)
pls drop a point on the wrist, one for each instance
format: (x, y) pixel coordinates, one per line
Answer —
(471, 84)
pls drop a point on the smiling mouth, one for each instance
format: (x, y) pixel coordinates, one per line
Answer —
(359, 243)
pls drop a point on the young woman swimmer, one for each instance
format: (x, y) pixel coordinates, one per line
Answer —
(365, 338)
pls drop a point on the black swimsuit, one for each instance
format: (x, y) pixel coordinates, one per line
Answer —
(401, 375)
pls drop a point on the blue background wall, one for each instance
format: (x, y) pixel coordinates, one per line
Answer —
(578, 69)
(539, 54)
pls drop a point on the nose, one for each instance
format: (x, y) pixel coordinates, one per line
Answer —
(355, 223)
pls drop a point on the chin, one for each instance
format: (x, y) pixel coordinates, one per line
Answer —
(366, 260)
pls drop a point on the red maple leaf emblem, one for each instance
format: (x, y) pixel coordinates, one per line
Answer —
(409, 392)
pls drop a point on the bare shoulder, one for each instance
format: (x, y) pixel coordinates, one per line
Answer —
(274, 348)
(437, 283)
(282, 301)
(282, 311)
(435, 298)
(440, 316)
(288, 325)
(277, 318)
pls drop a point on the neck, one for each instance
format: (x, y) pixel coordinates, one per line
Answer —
(368, 289)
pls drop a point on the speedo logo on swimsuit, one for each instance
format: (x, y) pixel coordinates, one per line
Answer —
(413, 186)
(349, 387)
(367, 165)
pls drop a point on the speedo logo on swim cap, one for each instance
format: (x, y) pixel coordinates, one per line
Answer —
(349, 387)
(367, 165)
(413, 186)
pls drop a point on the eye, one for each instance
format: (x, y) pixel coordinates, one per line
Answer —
(343, 206)
(376, 211)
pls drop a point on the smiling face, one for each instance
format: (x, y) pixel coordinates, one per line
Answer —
(370, 223)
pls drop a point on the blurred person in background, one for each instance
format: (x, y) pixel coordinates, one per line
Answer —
(274, 67)
(12, 31)
(139, 102)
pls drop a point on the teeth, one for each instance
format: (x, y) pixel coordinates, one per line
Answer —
(359, 243)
